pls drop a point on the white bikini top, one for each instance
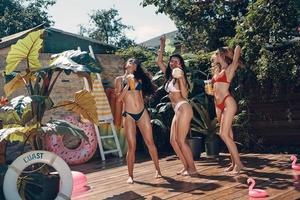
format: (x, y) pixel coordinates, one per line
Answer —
(170, 86)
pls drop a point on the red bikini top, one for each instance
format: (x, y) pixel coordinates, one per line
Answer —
(221, 78)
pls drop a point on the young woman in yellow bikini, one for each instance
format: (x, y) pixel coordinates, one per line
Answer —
(224, 64)
(135, 113)
(176, 85)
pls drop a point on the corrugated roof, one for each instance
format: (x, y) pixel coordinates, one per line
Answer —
(12, 39)
(56, 41)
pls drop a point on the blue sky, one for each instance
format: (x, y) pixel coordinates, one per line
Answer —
(68, 14)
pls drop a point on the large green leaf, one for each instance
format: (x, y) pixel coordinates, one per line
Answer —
(163, 107)
(75, 62)
(27, 114)
(9, 116)
(9, 77)
(159, 123)
(19, 103)
(62, 127)
(28, 107)
(84, 104)
(199, 129)
(19, 81)
(201, 121)
(158, 76)
(78, 62)
(15, 133)
(26, 48)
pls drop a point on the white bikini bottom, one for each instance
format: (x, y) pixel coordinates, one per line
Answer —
(180, 103)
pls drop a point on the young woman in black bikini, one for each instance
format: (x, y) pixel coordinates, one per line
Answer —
(135, 113)
(224, 64)
(177, 87)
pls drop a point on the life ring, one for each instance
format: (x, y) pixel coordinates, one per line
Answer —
(15, 169)
(84, 150)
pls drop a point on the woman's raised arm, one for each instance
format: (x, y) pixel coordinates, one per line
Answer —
(160, 61)
(236, 57)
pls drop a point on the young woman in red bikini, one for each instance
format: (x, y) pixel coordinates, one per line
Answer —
(135, 113)
(224, 64)
(177, 86)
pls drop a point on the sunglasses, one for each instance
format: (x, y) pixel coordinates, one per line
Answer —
(132, 61)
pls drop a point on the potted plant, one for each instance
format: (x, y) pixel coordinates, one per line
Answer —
(23, 116)
(195, 142)
(203, 124)
(161, 113)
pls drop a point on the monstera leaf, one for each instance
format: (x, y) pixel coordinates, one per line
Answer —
(26, 48)
(17, 82)
(84, 104)
(62, 127)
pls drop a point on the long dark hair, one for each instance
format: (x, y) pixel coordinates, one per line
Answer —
(147, 87)
(168, 74)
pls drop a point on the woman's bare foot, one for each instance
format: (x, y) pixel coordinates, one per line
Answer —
(230, 168)
(130, 180)
(237, 169)
(158, 174)
(181, 171)
(189, 173)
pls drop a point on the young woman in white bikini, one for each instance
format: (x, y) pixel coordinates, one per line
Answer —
(176, 85)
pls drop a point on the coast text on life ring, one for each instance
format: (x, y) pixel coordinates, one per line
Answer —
(85, 149)
(15, 169)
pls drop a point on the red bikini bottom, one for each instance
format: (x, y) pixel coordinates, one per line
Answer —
(221, 105)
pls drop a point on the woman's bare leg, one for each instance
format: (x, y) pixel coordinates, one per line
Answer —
(226, 129)
(175, 145)
(232, 165)
(145, 127)
(219, 115)
(185, 114)
(130, 131)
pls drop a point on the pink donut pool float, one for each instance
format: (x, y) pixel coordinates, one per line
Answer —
(83, 151)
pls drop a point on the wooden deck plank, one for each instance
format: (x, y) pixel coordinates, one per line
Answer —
(212, 182)
(143, 171)
(231, 190)
(226, 181)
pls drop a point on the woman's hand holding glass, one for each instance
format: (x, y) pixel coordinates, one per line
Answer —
(209, 88)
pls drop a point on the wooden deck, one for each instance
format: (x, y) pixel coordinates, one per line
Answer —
(271, 172)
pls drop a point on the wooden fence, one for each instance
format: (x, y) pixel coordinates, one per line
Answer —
(277, 121)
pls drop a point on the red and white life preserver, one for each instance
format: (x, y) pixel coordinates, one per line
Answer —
(83, 152)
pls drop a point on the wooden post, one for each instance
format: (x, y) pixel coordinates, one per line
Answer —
(2, 147)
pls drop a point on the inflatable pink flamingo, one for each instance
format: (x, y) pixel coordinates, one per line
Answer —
(79, 183)
(294, 165)
(256, 193)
